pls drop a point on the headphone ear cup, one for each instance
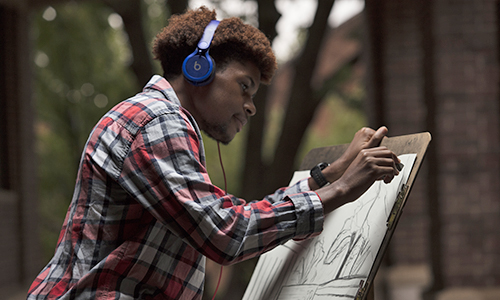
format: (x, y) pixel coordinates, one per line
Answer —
(198, 69)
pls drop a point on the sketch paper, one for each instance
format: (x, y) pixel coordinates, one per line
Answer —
(335, 263)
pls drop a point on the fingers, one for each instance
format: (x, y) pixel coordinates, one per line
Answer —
(382, 162)
(377, 137)
(370, 165)
(365, 134)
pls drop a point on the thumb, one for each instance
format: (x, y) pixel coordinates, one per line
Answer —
(377, 137)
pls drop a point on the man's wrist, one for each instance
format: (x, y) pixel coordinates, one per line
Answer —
(336, 169)
(317, 175)
(333, 196)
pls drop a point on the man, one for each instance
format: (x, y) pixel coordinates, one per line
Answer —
(144, 215)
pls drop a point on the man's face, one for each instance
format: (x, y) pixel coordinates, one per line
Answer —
(226, 104)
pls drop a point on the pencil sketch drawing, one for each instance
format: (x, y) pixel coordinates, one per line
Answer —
(334, 264)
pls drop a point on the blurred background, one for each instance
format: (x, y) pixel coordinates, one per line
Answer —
(428, 65)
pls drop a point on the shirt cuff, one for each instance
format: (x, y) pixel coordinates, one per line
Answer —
(309, 213)
(304, 185)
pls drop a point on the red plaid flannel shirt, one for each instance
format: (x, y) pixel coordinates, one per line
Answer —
(144, 214)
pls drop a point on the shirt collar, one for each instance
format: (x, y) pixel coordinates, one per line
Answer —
(160, 84)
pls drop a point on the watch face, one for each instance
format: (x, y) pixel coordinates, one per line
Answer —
(323, 165)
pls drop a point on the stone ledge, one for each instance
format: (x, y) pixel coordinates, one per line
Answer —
(412, 275)
(406, 281)
(470, 293)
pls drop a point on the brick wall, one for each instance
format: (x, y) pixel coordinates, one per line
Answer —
(465, 108)
(403, 110)
(404, 113)
(466, 43)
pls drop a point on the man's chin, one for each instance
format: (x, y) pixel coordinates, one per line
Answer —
(223, 139)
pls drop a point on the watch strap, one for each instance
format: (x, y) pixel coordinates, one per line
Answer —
(318, 176)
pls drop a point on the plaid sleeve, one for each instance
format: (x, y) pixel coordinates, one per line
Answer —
(165, 172)
(298, 187)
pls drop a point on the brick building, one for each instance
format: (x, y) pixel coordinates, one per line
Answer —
(434, 66)
(431, 66)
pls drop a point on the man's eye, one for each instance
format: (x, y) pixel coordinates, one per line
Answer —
(244, 87)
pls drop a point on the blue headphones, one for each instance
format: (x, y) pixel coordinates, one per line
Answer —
(198, 67)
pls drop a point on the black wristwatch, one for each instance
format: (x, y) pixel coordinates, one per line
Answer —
(317, 175)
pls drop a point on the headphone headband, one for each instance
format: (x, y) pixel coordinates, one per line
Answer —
(208, 35)
(199, 68)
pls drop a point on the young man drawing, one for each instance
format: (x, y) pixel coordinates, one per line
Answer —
(145, 216)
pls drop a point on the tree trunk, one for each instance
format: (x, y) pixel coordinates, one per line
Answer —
(259, 178)
(255, 170)
(303, 99)
(131, 13)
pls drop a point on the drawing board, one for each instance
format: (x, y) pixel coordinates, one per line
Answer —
(342, 261)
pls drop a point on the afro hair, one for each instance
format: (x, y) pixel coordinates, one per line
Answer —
(233, 40)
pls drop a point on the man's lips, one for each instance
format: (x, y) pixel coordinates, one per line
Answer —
(242, 121)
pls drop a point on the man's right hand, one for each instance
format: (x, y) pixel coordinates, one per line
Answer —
(370, 165)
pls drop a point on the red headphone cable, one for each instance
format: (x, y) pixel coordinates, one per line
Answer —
(225, 190)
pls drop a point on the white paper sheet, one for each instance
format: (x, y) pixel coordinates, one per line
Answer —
(335, 263)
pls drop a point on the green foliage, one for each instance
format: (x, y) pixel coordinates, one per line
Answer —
(335, 123)
(231, 162)
(156, 14)
(81, 71)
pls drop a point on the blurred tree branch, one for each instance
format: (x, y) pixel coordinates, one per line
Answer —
(259, 178)
(254, 166)
(131, 13)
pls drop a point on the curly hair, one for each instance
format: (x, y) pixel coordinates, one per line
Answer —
(233, 40)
